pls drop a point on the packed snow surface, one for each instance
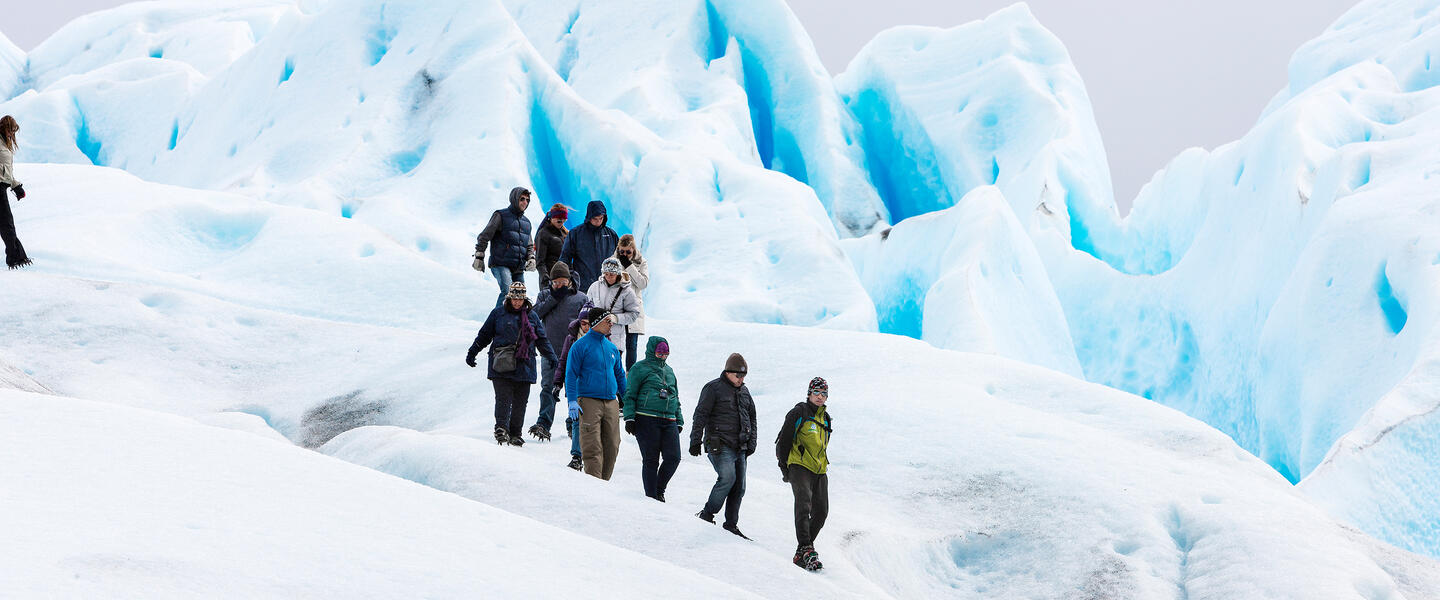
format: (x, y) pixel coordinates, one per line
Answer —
(264, 210)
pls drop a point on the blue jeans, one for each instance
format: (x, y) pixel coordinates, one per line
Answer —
(547, 399)
(657, 438)
(506, 276)
(574, 437)
(729, 487)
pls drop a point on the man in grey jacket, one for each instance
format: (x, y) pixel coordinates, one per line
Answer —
(557, 305)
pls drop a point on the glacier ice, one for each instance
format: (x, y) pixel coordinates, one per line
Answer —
(950, 185)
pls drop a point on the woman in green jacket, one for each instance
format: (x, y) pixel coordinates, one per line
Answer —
(801, 450)
(651, 409)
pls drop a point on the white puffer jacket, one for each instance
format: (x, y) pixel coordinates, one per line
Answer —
(621, 301)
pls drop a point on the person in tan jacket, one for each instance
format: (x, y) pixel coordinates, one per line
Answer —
(637, 272)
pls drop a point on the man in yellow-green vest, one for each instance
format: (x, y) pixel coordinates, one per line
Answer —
(801, 450)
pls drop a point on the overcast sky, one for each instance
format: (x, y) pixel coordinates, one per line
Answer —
(1163, 75)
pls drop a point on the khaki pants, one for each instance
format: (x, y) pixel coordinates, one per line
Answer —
(599, 436)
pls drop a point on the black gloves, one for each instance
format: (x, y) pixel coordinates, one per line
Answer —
(694, 449)
(784, 474)
(624, 261)
(470, 360)
(630, 427)
(19, 192)
(680, 430)
(749, 452)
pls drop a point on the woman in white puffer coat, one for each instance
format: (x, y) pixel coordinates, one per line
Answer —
(614, 294)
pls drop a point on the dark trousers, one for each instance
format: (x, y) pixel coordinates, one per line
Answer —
(812, 503)
(547, 399)
(657, 438)
(729, 487)
(632, 347)
(510, 400)
(14, 252)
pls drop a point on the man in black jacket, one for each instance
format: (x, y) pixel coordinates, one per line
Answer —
(724, 426)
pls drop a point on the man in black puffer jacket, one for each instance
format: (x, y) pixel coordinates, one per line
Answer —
(724, 427)
(508, 237)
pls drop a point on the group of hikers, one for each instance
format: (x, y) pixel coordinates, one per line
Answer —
(604, 383)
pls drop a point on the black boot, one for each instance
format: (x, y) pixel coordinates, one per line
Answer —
(501, 436)
(706, 518)
(736, 530)
(575, 463)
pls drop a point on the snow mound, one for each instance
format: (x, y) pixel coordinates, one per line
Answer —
(115, 500)
(364, 110)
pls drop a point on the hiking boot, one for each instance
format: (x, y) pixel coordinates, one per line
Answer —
(517, 441)
(735, 530)
(706, 518)
(501, 436)
(575, 463)
(806, 558)
(539, 433)
(660, 496)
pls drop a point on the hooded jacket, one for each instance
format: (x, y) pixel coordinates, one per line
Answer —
(502, 328)
(638, 274)
(804, 438)
(651, 389)
(724, 417)
(557, 309)
(507, 235)
(587, 246)
(594, 369)
(622, 303)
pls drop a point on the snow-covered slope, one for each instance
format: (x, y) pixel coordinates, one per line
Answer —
(953, 473)
(1282, 288)
(107, 501)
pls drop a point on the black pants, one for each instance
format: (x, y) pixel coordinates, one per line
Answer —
(14, 252)
(812, 503)
(510, 400)
(657, 438)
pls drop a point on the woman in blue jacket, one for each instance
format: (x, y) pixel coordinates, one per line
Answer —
(514, 332)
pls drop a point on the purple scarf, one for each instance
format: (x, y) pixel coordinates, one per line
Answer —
(527, 332)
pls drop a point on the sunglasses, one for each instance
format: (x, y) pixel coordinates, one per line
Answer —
(626, 253)
(822, 394)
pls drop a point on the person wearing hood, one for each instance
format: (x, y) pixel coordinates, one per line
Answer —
(578, 327)
(513, 332)
(612, 293)
(588, 245)
(556, 305)
(507, 236)
(652, 414)
(801, 449)
(637, 272)
(549, 241)
(724, 427)
(594, 381)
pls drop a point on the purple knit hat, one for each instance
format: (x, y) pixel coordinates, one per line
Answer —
(662, 349)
